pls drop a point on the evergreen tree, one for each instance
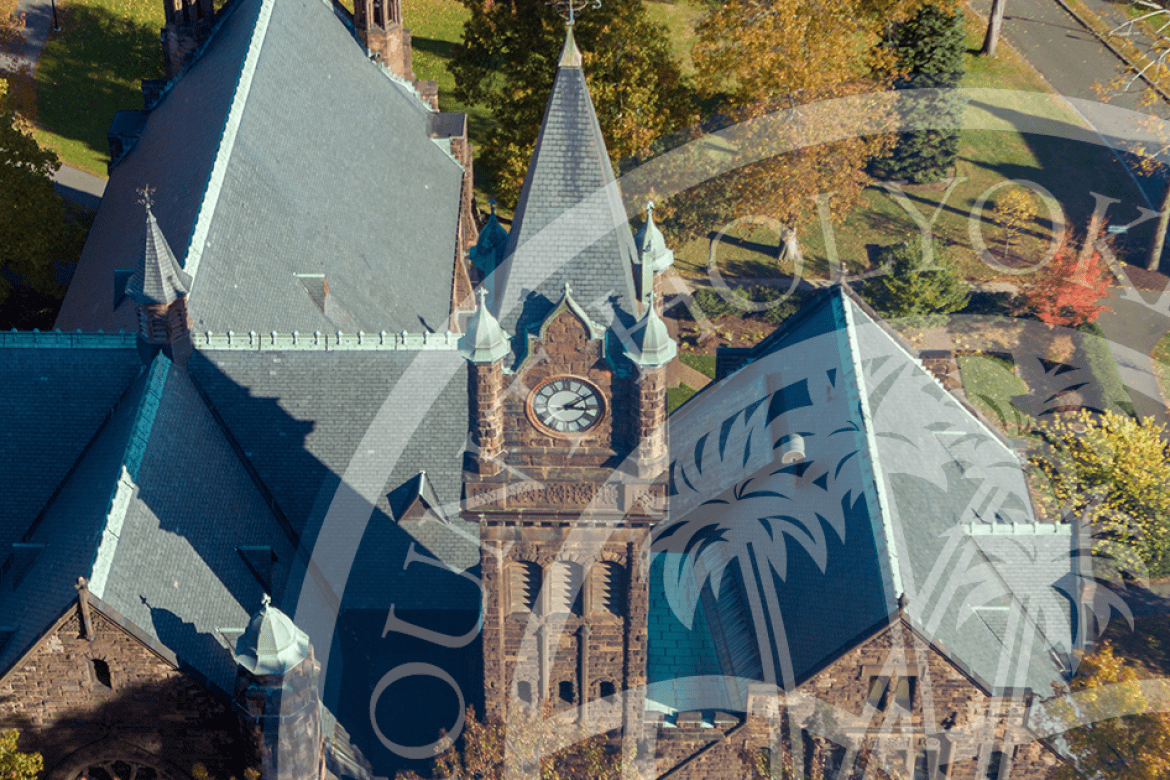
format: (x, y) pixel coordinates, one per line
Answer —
(929, 48)
(508, 60)
(911, 288)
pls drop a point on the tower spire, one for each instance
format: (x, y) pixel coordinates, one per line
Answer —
(570, 222)
(160, 286)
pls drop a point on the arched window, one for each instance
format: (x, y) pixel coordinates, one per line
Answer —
(564, 588)
(523, 586)
(609, 587)
(565, 691)
(995, 765)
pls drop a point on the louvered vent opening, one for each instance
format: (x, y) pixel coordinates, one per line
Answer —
(742, 648)
(523, 586)
(609, 588)
(565, 588)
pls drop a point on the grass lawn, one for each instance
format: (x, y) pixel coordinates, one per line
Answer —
(677, 396)
(91, 70)
(990, 386)
(1161, 357)
(680, 19)
(986, 157)
(704, 364)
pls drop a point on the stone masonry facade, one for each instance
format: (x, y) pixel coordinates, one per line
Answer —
(570, 524)
(86, 698)
(893, 697)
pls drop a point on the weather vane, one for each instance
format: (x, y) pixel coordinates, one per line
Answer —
(146, 196)
(571, 9)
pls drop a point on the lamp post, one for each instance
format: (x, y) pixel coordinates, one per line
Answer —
(56, 24)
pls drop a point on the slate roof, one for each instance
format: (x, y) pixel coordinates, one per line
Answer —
(282, 151)
(306, 420)
(874, 521)
(155, 534)
(570, 224)
(58, 389)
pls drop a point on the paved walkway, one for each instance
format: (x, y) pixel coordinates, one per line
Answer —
(74, 184)
(1132, 330)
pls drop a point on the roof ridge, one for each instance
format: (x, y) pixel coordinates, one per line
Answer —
(227, 142)
(142, 422)
(875, 476)
(896, 339)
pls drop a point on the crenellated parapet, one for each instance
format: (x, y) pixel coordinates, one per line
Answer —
(322, 342)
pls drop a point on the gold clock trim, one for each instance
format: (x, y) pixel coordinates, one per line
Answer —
(533, 418)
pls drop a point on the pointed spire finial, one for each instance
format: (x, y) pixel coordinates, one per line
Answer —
(146, 196)
(482, 293)
(568, 289)
(649, 206)
(492, 204)
(265, 600)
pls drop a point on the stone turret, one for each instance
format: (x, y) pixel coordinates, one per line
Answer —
(276, 695)
(188, 25)
(159, 286)
(653, 257)
(655, 350)
(485, 345)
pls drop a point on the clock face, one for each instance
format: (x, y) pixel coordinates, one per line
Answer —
(567, 405)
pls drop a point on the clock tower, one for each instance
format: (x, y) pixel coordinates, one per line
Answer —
(565, 474)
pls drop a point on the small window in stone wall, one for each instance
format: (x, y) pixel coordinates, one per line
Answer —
(101, 673)
(995, 765)
(605, 689)
(877, 692)
(904, 693)
(524, 691)
(565, 691)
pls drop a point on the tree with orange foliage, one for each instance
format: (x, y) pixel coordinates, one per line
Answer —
(1110, 731)
(1070, 289)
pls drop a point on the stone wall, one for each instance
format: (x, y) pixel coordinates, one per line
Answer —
(589, 648)
(950, 721)
(80, 702)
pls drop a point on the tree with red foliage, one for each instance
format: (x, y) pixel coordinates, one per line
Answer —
(1069, 290)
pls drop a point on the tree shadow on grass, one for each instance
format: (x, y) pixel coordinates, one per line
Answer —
(92, 70)
(445, 50)
(1096, 169)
